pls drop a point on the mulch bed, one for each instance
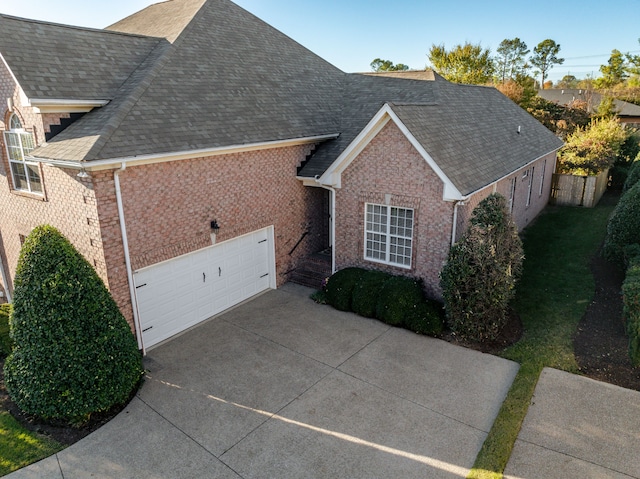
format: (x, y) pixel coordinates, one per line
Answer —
(63, 434)
(600, 346)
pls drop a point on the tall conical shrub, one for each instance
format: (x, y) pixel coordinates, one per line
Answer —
(74, 353)
(479, 278)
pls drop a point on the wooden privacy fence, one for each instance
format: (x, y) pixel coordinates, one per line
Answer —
(572, 190)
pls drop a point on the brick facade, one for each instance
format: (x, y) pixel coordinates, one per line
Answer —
(390, 171)
(168, 206)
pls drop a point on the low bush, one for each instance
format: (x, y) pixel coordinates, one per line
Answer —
(399, 298)
(5, 340)
(367, 291)
(339, 289)
(426, 318)
(73, 351)
(623, 228)
(631, 311)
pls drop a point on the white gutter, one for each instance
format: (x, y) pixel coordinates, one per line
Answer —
(65, 106)
(97, 165)
(4, 276)
(127, 258)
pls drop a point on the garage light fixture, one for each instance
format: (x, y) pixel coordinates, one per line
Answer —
(215, 227)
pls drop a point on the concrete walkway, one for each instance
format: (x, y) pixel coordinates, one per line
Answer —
(578, 428)
(283, 388)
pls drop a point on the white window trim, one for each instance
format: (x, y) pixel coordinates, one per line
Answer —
(20, 133)
(544, 170)
(512, 192)
(530, 173)
(388, 236)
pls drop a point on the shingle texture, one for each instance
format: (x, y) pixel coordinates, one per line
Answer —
(213, 75)
(152, 21)
(62, 62)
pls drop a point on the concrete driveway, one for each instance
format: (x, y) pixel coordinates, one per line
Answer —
(281, 387)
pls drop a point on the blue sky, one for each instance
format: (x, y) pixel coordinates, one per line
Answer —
(351, 33)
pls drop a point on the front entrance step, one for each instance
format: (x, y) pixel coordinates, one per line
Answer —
(312, 271)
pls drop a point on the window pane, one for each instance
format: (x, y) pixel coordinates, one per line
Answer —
(34, 178)
(19, 176)
(14, 123)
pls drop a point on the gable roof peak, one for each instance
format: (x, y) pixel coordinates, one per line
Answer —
(166, 19)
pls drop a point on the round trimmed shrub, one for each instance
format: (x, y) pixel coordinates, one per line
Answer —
(623, 228)
(633, 176)
(339, 289)
(399, 299)
(5, 340)
(366, 292)
(478, 280)
(74, 353)
(425, 318)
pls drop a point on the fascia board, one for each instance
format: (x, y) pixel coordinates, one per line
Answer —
(333, 175)
(65, 105)
(111, 163)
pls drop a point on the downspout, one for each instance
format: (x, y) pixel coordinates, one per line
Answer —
(333, 222)
(3, 274)
(127, 258)
(454, 227)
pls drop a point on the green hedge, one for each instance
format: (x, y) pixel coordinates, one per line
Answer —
(623, 228)
(633, 175)
(339, 289)
(395, 300)
(73, 352)
(631, 299)
(5, 340)
(367, 291)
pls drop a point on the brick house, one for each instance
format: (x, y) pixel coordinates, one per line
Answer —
(196, 156)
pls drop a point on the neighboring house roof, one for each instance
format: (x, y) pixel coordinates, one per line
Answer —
(590, 97)
(426, 75)
(216, 76)
(53, 61)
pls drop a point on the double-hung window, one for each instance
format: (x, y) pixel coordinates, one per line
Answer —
(19, 143)
(388, 234)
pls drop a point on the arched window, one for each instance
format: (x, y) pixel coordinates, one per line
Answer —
(25, 173)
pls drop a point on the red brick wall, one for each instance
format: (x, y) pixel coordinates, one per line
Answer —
(523, 215)
(390, 168)
(169, 207)
(68, 203)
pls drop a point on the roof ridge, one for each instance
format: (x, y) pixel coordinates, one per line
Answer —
(157, 58)
(75, 27)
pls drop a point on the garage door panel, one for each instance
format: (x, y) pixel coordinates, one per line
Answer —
(180, 293)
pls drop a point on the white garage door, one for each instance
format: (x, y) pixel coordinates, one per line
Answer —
(179, 293)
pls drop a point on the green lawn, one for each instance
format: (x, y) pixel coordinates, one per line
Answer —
(553, 294)
(18, 447)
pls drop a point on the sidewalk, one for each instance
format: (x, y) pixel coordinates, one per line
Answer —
(578, 428)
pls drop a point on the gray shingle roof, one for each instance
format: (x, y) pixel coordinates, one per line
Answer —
(230, 79)
(61, 62)
(471, 132)
(152, 21)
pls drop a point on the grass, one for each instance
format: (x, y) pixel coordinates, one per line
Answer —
(553, 294)
(18, 446)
